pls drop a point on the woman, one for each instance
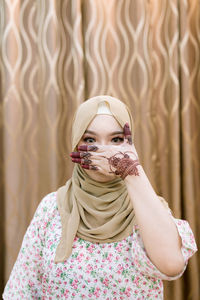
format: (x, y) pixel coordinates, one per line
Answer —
(105, 234)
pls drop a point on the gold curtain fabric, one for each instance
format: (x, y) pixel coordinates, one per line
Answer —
(55, 54)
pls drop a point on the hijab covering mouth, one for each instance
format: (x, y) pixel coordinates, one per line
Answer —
(94, 211)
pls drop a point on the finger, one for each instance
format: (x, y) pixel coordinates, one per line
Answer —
(87, 148)
(89, 167)
(80, 154)
(84, 161)
(127, 133)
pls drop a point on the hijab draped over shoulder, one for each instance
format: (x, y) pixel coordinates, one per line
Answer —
(94, 211)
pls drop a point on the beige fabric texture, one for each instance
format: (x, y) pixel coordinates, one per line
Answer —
(56, 54)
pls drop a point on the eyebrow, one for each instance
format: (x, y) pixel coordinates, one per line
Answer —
(112, 133)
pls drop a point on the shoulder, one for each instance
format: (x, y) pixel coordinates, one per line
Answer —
(47, 206)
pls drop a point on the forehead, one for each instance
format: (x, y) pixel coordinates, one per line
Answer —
(104, 122)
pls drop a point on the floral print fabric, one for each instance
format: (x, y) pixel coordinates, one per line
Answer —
(120, 270)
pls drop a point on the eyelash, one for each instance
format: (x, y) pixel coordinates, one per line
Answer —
(88, 138)
(120, 140)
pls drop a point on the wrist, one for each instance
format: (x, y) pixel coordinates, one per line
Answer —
(130, 179)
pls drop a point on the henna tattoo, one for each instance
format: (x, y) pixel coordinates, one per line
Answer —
(87, 148)
(80, 154)
(84, 161)
(89, 167)
(76, 160)
(127, 133)
(121, 164)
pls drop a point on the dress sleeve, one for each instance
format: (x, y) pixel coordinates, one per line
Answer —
(25, 281)
(144, 264)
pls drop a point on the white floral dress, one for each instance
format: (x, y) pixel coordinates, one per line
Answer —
(119, 270)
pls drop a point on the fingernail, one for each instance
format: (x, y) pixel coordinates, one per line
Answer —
(76, 160)
(83, 148)
(87, 148)
(85, 166)
(75, 154)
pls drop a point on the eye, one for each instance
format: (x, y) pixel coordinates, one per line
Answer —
(89, 140)
(117, 140)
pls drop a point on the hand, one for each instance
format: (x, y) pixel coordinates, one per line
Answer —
(121, 160)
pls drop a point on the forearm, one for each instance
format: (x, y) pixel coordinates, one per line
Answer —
(158, 231)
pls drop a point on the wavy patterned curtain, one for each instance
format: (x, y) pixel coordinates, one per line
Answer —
(54, 55)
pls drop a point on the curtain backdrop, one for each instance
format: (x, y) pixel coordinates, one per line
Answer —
(53, 56)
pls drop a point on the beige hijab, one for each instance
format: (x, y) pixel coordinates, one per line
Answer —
(94, 211)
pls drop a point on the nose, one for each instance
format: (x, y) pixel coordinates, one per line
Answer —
(102, 143)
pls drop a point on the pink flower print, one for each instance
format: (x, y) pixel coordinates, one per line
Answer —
(127, 259)
(89, 269)
(96, 292)
(30, 283)
(120, 269)
(106, 281)
(119, 249)
(58, 272)
(74, 284)
(109, 257)
(79, 258)
(128, 289)
(136, 281)
(91, 248)
(66, 293)
(49, 289)
(127, 294)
